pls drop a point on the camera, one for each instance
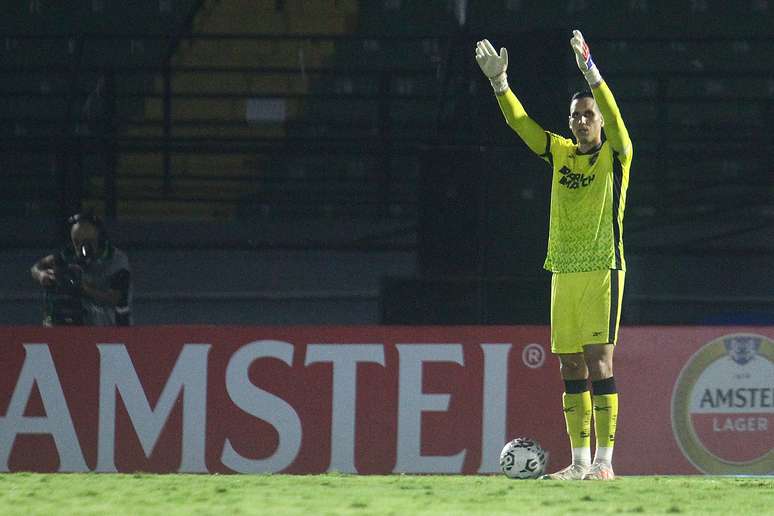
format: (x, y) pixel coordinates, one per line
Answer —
(63, 299)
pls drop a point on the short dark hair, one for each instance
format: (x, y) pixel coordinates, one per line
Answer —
(582, 94)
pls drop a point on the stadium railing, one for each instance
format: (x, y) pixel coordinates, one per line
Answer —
(348, 142)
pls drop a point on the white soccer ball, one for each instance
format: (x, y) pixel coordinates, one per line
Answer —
(523, 458)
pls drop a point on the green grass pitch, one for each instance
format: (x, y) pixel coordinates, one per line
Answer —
(336, 494)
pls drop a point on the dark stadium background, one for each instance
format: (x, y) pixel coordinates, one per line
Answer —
(345, 162)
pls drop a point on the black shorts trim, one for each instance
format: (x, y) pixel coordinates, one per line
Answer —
(614, 289)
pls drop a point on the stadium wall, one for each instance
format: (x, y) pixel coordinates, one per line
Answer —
(369, 399)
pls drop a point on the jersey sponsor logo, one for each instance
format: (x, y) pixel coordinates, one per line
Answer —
(723, 406)
(573, 181)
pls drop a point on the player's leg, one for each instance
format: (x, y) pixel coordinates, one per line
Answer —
(605, 311)
(576, 404)
(576, 400)
(599, 359)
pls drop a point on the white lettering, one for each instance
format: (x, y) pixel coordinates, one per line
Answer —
(345, 358)
(187, 379)
(741, 424)
(412, 402)
(493, 434)
(263, 405)
(39, 368)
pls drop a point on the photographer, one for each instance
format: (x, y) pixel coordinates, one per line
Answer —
(88, 282)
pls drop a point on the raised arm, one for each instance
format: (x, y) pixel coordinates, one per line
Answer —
(518, 120)
(615, 130)
(494, 66)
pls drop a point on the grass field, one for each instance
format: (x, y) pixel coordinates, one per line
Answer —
(81, 494)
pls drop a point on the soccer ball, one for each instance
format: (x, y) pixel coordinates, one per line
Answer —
(523, 458)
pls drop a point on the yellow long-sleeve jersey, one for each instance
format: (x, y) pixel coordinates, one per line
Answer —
(588, 191)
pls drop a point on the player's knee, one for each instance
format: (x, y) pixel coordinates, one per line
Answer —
(599, 368)
(572, 366)
(599, 361)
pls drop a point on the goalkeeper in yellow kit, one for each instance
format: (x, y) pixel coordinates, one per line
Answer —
(585, 249)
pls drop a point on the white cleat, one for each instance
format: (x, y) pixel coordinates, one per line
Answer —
(599, 471)
(571, 472)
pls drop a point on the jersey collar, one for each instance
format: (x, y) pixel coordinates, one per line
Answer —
(593, 150)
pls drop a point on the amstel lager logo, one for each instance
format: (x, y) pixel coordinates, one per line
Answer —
(723, 406)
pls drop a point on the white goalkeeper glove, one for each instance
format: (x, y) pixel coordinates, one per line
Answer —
(583, 58)
(493, 65)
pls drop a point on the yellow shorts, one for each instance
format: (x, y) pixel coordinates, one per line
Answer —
(581, 309)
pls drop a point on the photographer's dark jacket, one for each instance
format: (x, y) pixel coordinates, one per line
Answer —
(111, 271)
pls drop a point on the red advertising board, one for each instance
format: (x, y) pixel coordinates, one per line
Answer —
(696, 400)
(369, 399)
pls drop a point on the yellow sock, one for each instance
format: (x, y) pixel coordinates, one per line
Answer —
(577, 415)
(605, 417)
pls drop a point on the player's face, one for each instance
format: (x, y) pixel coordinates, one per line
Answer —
(586, 121)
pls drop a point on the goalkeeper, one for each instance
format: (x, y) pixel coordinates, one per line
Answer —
(585, 249)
